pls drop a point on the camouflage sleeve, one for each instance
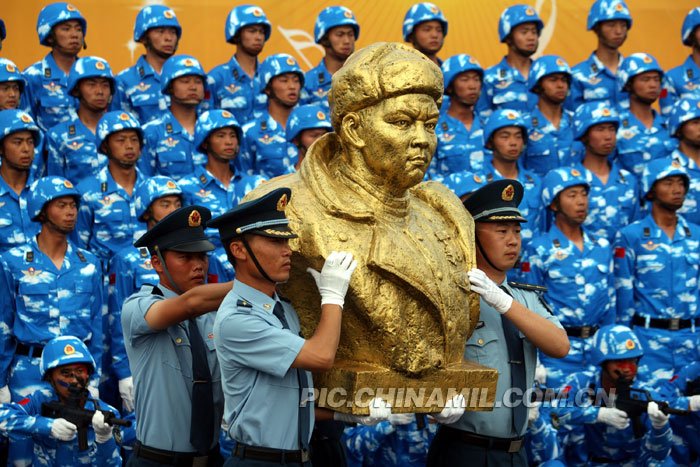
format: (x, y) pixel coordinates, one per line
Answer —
(83, 229)
(96, 305)
(362, 442)
(22, 418)
(7, 319)
(107, 454)
(669, 95)
(624, 258)
(576, 408)
(55, 165)
(123, 287)
(656, 444)
(541, 441)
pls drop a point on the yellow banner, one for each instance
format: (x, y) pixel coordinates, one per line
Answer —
(473, 28)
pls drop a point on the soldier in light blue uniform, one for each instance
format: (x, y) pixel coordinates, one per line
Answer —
(684, 125)
(233, 84)
(643, 135)
(63, 28)
(425, 27)
(107, 219)
(169, 140)
(657, 264)
(71, 145)
(66, 364)
(169, 341)
(19, 136)
(604, 435)
(265, 150)
(595, 79)
(138, 87)
(514, 323)
(306, 124)
(614, 192)
(459, 129)
(336, 30)
(551, 132)
(506, 83)
(505, 134)
(575, 267)
(684, 80)
(11, 85)
(48, 288)
(541, 442)
(463, 183)
(129, 269)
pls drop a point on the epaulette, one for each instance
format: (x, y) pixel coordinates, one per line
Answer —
(243, 304)
(444, 126)
(141, 71)
(235, 74)
(81, 256)
(168, 128)
(143, 252)
(203, 178)
(71, 130)
(47, 72)
(321, 78)
(556, 243)
(689, 73)
(530, 287)
(263, 125)
(103, 187)
(502, 73)
(647, 232)
(535, 121)
(594, 68)
(29, 256)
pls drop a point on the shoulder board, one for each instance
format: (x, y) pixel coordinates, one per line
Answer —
(243, 304)
(502, 73)
(689, 73)
(168, 128)
(103, 187)
(29, 256)
(81, 256)
(556, 243)
(141, 71)
(530, 287)
(647, 232)
(535, 121)
(203, 178)
(263, 125)
(594, 68)
(71, 130)
(687, 231)
(143, 252)
(235, 74)
(47, 72)
(444, 126)
(321, 78)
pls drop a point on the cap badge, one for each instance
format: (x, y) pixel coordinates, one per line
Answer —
(257, 12)
(170, 184)
(347, 14)
(188, 62)
(629, 345)
(123, 117)
(68, 349)
(575, 173)
(99, 65)
(619, 7)
(282, 203)
(290, 61)
(508, 193)
(605, 112)
(646, 59)
(10, 68)
(511, 116)
(195, 219)
(675, 164)
(434, 9)
(320, 115)
(529, 11)
(67, 184)
(170, 14)
(226, 114)
(560, 62)
(70, 7)
(25, 118)
(478, 179)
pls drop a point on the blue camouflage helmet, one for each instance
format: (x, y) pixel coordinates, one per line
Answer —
(56, 13)
(14, 120)
(153, 188)
(457, 64)
(515, 15)
(558, 180)
(636, 64)
(502, 118)
(180, 65)
(615, 342)
(332, 17)
(684, 110)
(421, 13)
(463, 183)
(246, 15)
(691, 21)
(547, 65)
(213, 120)
(114, 122)
(307, 117)
(278, 64)
(47, 189)
(593, 113)
(3, 31)
(10, 72)
(608, 10)
(64, 350)
(90, 67)
(155, 16)
(658, 169)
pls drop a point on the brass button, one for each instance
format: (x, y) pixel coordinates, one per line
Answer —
(480, 342)
(343, 237)
(178, 340)
(267, 306)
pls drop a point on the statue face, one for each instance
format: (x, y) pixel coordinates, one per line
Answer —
(399, 139)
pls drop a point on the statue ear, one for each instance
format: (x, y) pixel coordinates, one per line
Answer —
(349, 126)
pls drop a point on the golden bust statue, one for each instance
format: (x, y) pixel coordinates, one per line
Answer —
(408, 312)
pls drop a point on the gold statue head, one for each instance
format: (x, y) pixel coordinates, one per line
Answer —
(384, 109)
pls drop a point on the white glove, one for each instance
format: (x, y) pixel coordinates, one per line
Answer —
(541, 374)
(453, 411)
(5, 397)
(401, 418)
(103, 432)
(126, 391)
(334, 278)
(533, 413)
(63, 430)
(616, 418)
(94, 392)
(379, 410)
(694, 403)
(489, 291)
(657, 417)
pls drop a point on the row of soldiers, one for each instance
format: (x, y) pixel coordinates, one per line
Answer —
(520, 120)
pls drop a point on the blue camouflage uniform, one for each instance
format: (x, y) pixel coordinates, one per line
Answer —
(317, 81)
(231, 88)
(656, 279)
(15, 225)
(388, 445)
(541, 441)
(685, 110)
(462, 183)
(683, 80)
(138, 87)
(598, 443)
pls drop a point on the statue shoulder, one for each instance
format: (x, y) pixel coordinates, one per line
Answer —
(443, 199)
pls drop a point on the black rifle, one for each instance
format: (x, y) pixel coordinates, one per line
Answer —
(80, 417)
(634, 403)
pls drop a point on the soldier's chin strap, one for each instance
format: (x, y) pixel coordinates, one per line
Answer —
(255, 260)
(176, 289)
(483, 253)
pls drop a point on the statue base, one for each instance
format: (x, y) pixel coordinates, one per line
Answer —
(349, 387)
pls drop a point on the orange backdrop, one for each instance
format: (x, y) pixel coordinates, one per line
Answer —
(472, 28)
